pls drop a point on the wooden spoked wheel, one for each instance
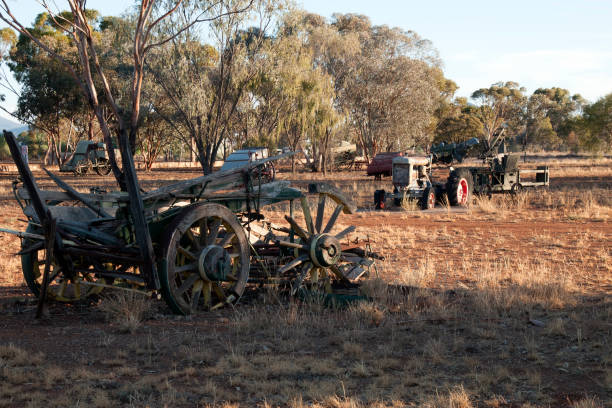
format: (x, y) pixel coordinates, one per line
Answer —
(319, 259)
(62, 288)
(205, 259)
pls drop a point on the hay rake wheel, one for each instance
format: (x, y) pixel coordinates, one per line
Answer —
(318, 261)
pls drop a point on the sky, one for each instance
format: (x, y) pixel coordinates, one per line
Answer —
(537, 43)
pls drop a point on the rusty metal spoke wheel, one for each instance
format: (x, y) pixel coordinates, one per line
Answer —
(102, 167)
(81, 284)
(323, 256)
(205, 259)
(82, 167)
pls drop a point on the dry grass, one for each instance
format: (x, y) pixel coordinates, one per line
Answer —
(126, 309)
(448, 324)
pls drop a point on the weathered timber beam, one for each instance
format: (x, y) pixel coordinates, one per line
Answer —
(26, 175)
(23, 234)
(77, 196)
(233, 178)
(105, 256)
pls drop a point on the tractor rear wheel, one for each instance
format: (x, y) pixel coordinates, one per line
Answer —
(459, 187)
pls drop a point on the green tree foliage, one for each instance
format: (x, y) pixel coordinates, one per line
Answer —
(50, 97)
(391, 91)
(205, 84)
(593, 130)
(453, 120)
(548, 115)
(503, 103)
(304, 89)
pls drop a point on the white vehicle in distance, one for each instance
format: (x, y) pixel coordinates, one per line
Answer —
(240, 158)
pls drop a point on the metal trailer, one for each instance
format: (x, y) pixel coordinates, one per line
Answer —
(197, 242)
(503, 175)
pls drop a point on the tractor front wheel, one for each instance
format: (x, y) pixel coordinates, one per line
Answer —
(428, 201)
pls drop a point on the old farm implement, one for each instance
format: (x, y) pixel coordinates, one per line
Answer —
(198, 242)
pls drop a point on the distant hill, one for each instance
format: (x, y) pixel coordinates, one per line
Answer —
(17, 131)
(8, 124)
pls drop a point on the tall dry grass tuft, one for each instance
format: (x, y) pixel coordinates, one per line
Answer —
(588, 402)
(126, 309)
(456, 398)
(423, 275)
(489, 205)
(516, 285)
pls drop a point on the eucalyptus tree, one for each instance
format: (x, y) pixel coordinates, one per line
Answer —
(390, 89)
(92, 77)
(206, 75)
(595, 125)
(502, 104)
(459, 123)
(548, 116)
(49, 98)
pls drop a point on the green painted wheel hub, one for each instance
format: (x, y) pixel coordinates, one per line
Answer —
(214, 263)
(325, 250)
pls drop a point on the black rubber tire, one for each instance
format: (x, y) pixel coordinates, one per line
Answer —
(459, 187)
(396, 201)
(379, 199)
(428, 201)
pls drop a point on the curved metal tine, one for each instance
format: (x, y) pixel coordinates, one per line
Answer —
(320, 212)
(195, 294)
(293, 263)
(307, 215)
(187, 283)
(345, 232)
(298, 283)
(333, 218)
(186, 253)
(214, 232)
(229, 236)
(296, 228)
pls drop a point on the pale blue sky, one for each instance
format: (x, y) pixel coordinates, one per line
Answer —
(537, 43)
